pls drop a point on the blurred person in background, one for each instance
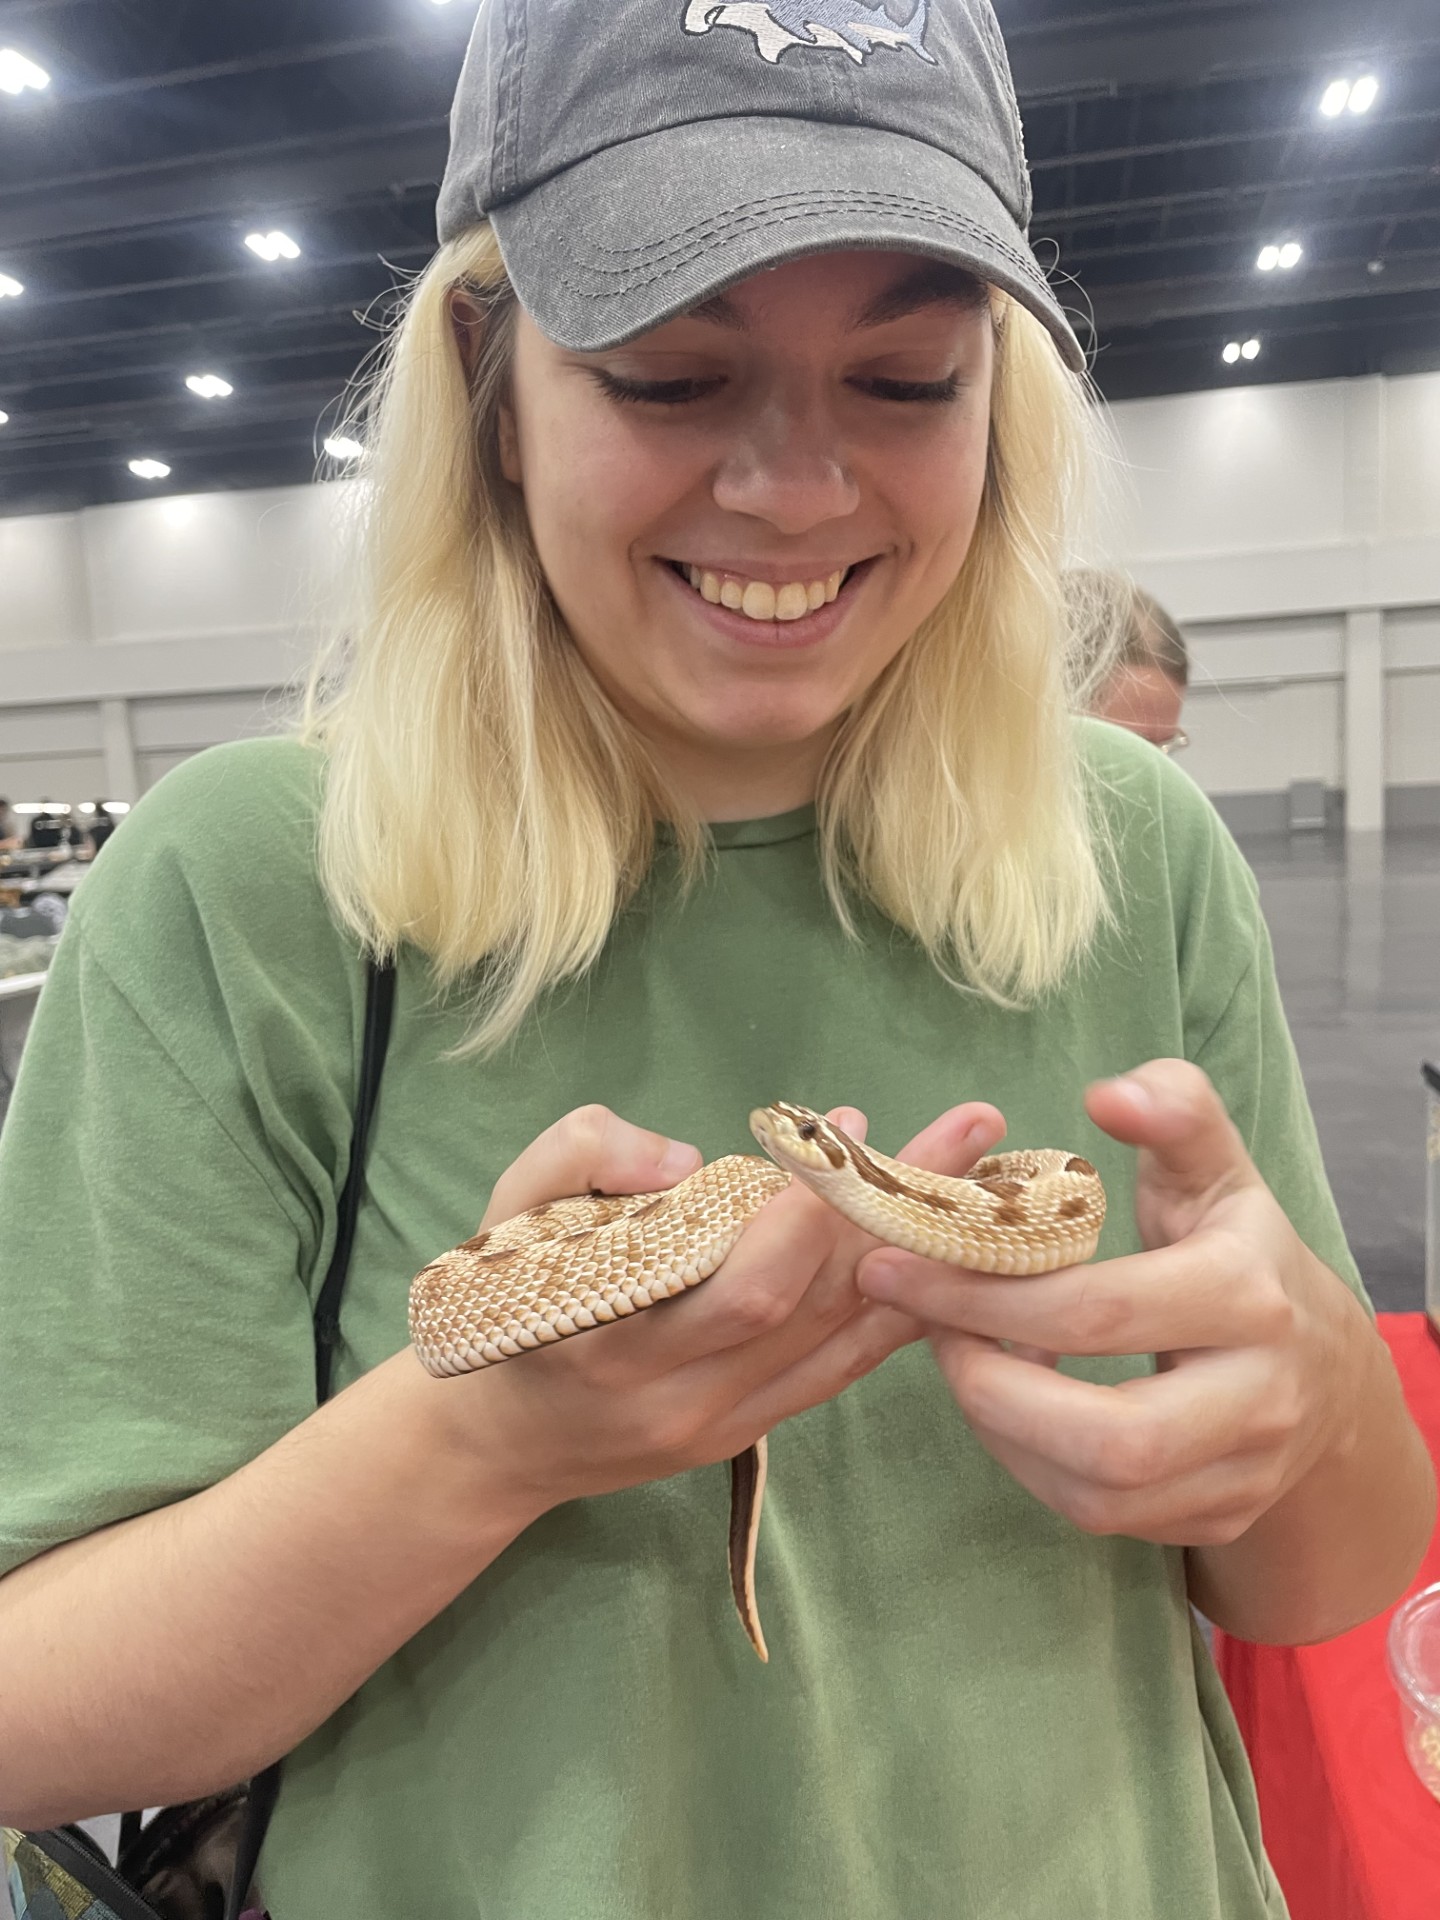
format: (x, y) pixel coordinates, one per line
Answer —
(102, 825)
(1142, 685)
(47, 830)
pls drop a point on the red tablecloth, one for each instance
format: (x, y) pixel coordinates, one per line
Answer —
(1350, 1831)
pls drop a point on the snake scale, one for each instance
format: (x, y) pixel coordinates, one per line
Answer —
(577, 1263)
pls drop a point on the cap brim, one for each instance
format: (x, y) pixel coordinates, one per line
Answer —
(639, 233)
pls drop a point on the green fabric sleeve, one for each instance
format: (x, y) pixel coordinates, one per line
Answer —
(159, 1243)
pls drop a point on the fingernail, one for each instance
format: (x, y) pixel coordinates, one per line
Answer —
(679, 1160)
(1137, 1091)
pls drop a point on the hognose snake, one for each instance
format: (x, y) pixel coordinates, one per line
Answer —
(577, 1263)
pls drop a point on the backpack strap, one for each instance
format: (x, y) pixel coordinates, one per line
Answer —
(379, 1010)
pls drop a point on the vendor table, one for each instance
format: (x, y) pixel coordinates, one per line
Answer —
(1350, 1831)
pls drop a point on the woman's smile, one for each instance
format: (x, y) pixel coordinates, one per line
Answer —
(751, 613)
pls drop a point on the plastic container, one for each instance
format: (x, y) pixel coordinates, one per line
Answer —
(1413, 1646)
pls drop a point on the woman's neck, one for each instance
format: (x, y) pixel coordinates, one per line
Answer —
(747, 785)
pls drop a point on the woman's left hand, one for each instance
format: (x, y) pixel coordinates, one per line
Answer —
(1252, 1333)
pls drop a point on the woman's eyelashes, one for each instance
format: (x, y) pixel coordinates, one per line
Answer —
(679, 393)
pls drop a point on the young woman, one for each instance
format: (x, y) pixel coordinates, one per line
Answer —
(734, 306)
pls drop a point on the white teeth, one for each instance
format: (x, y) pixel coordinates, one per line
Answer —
(758, 600)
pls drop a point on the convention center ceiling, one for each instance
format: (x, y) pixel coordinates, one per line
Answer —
(227, 193)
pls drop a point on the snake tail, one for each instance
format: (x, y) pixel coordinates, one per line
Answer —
(747, 1494)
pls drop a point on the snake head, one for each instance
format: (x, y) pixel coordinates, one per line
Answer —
(798, 1139)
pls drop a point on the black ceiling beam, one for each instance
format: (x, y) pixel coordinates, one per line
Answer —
(242, 274)
(336, 345)
(318, 53)
(1082, 260)
(21, 12)
(182, 419)
(1153, 303)
(1399, 316)
(391, 198)
(1181, 45)
(253, 182)
(1209, 142)
(203, 335)
(1324, 184)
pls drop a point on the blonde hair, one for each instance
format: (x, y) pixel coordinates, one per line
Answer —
(1118, 624)
(486, 802)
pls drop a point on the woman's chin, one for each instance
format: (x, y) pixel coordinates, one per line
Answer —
(774, 731)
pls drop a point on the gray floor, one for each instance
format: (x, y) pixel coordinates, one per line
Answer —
(1357, 948)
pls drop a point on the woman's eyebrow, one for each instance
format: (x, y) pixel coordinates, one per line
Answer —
(934, 284)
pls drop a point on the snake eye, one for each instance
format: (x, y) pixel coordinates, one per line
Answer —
(807, 1130)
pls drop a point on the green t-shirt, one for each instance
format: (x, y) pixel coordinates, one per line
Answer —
(972, 1708)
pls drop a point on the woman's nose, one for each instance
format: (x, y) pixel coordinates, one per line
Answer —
(788, 467)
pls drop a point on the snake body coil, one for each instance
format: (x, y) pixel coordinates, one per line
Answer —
(574, 1264)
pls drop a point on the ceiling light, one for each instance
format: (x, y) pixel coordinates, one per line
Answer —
(340, 448)
(4, 419)
(149, 469)
(272, 246)
(1285, 256)
(209, 386)
(17, 73)
(1364, 94)
(9, 289)
(1250, 350)
(1358, 96)
(1231, 353)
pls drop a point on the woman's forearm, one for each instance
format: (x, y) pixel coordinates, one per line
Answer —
(175, 1653)
(1346, 1540)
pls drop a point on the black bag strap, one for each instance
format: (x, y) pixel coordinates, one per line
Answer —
(379, 1011)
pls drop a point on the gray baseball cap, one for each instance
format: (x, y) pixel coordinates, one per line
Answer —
(637, 156)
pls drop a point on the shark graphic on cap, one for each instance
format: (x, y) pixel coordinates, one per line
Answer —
(853, 26)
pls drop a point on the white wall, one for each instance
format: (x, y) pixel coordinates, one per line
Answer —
(132, 636)
(1294, 531)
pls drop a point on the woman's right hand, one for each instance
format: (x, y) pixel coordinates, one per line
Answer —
(778, 1328)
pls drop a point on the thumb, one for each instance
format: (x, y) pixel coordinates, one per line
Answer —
(1171, 1111)
(590, 1150)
